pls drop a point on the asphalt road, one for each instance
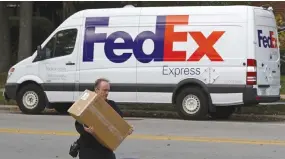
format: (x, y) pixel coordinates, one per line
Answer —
(49, 137)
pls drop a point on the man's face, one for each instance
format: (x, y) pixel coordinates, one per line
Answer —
(103, 89)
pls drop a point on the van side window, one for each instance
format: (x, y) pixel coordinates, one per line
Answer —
(65, 42)
(62, 43)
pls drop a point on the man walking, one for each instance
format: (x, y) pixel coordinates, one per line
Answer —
(90, 148)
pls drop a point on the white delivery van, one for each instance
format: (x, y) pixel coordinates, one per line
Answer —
(204, 60)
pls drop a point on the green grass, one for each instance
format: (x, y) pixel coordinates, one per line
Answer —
(282, 91)
(3, 77)
(2, 83)
(264, 109)
(2, 101)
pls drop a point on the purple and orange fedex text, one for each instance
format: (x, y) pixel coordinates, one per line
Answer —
(163, 39)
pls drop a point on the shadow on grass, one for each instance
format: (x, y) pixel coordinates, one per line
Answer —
(139, 114)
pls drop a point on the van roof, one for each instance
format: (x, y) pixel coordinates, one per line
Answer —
(163, 10)
(232, 10)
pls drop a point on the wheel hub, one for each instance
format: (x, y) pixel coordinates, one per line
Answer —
(30, 100)
(191, 104)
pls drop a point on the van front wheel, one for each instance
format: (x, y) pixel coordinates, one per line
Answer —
(31, 99)
(192, 103)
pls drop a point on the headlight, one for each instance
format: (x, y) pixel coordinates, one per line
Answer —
(11, 71)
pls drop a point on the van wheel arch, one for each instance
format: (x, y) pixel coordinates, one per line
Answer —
(28, 83)
(190, 82)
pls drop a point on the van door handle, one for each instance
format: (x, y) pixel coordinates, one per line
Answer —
(70, 63)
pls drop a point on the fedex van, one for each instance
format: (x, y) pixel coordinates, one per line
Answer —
(203, 60)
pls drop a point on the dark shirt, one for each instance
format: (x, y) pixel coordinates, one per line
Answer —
(86, 140)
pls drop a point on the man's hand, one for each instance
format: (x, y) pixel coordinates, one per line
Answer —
(131, 130)
(90, 129)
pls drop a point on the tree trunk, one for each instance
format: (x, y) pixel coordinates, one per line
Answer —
(25, 37)
(4, 38)
(68, 9)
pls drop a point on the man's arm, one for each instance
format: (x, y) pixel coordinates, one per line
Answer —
(116, 108)
(79, 128)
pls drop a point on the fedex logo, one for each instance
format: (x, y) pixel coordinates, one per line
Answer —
(163, 39)
(266, 41)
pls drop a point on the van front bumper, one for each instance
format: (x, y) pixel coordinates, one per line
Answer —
(250, 97)
(10, 91)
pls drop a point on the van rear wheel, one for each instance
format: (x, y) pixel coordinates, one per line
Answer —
(31, 99)
(192, 103)
(61, 108)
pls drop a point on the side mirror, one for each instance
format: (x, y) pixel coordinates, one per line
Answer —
(47, 53)
(39, 49)
(41, 53)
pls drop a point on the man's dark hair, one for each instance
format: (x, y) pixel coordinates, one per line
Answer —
(98, 82)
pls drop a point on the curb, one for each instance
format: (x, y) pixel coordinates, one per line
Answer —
(9, 107)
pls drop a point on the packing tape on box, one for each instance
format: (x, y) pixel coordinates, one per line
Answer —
(111, 128)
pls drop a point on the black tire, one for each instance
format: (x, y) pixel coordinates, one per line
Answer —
(222, 112)
(201, 112)
(37, 94)
(61, 108)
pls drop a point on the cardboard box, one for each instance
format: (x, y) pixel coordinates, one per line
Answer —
(92, 110)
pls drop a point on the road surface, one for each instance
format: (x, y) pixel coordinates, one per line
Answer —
(49, 137)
